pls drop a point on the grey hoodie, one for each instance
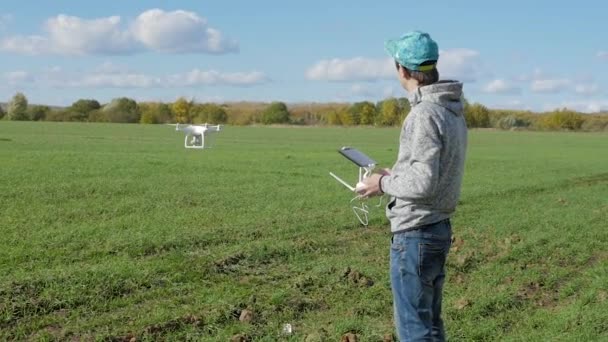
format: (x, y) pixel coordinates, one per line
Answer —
(424, 184)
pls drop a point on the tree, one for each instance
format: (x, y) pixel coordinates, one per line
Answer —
(346, 117)
(563, 119)
(181, 110)
(275, 113)
(154, 113)
(333, 117)
(390, 113)
(37, 113)
(123, 109)
(477, 115)
(404, 108)
(2, 113)
(366, 112)
(17, 108)
(511, 122)
(81, 109)
(208, 112)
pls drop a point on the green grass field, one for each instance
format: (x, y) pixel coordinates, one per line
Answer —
(112, 232)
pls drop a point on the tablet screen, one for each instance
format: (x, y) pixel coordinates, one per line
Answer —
(357, 157)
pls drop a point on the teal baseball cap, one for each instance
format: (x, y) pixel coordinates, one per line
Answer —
(413, 49)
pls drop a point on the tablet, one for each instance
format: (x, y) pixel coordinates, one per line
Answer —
(357, 157)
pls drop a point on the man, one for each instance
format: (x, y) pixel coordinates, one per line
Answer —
(424, 186)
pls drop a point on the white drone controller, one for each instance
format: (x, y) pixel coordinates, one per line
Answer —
(366, 166)
(365, 163)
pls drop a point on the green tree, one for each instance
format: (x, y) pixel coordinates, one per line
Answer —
(37, 112)
(404, 108)
(353, 114)
(367, 112)
(346, 117)
(208, 113)
(81, 109)
(390, 113)
(275, 113)
(17, 108)
(123, 110)
(181, 110)
(218, 115)
(2, 113)
(563, 119)
(477, 115)
(363, 113)
(333, 117)
(154, 113)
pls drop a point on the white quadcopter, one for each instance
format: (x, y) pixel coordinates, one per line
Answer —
(366, 167)
(195, 134)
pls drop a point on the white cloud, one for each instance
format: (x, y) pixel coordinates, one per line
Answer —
(123, 80)
(391, 91)
(354, 69)
(512, 104)
(5, 19)
(537, 74)
(587, 89)
(18, 77)
(500, 86)
(367, 92)
(178, 32)
(602, 55)
(73, 35)
(174, 32)
(200, 77)
(549, 85)
(30, 45)
(362, 90)
(460, 64)
(109, 75)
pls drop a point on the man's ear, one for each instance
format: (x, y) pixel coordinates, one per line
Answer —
(405, 73)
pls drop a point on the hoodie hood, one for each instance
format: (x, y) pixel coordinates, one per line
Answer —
(447, 94)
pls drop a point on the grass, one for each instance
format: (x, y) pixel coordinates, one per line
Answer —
(110, 232)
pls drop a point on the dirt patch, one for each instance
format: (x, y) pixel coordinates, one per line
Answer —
(228, 264)
(173, 325)
(538, 294)
(592, 180)
(349, 337)
(246, 316)
(240, 338)
(462, 303)
(53, 331)
(357, 278)
(125, 338)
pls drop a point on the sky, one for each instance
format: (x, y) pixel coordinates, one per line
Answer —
(518, 54)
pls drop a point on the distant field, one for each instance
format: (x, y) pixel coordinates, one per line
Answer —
(110, 232)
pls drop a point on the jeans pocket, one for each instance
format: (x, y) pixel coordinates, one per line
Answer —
(431, 261)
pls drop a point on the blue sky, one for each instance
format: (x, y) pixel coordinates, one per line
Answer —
(515, 54)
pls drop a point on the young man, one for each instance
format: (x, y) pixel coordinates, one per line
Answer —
(424, 186)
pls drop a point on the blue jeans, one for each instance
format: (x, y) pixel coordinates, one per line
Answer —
(417, 276)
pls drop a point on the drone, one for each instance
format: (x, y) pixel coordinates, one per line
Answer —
(366, 167)
(195, 134)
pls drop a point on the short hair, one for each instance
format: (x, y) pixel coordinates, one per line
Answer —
(423, 77)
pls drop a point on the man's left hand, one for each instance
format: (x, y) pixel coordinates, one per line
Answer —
(371, 186)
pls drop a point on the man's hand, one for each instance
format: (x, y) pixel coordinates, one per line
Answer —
(371, 185)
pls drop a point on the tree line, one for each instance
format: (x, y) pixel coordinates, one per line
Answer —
(388, 112)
